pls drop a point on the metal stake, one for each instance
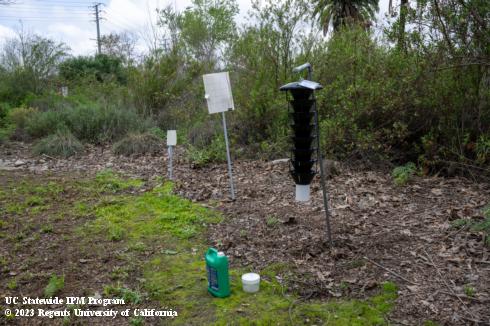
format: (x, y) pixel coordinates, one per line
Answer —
(228, 157)
(170, 165)
(320, 160)
(322, 178)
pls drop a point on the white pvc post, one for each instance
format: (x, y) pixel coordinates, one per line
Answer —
(171, 142)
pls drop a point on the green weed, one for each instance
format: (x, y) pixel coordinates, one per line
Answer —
(271, 221)
(55, 285)
(402, 174)
(128, 295)
(469, 290)
(108, 181)
(47, 228)
(12, 285)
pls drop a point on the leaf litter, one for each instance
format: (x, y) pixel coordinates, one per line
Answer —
(381, 231)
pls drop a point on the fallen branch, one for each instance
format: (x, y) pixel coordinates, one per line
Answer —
(390, 271)
(455, 233)
(465, 297)
(445, 283)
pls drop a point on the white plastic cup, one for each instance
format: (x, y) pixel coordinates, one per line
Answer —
(302, 192)
(251, 282)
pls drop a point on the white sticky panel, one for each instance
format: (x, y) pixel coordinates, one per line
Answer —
(217, 89)
(171, 137)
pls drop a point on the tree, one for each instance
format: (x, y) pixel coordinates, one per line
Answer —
(102, 67)
(33, 53)
(29, 61)
(341, 13)
(121, 46)
(402, 21)
(204, 30)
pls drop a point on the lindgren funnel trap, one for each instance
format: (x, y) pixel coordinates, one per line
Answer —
(303, 127)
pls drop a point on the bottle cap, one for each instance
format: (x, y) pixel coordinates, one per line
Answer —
(221, 254)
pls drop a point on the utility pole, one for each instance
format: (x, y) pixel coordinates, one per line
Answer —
(97, 20)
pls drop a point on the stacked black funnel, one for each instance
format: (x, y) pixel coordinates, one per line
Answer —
(303, 124)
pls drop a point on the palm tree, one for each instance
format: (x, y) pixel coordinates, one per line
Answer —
(402, 20)
(340, 13)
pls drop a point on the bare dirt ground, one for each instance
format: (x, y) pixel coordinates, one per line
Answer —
(381, 231)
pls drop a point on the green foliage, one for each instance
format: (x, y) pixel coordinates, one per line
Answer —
(102, 68)
(425, 100)
(137, 144)
(6, 127)
(157, 132)
(483, 149)
(55, 285)
(271, 221)
(480, 225)
(108, 181)
(154, 213)
(90, 122)
(12, 284)
(20, 115)
(341, 13)
(469, 290)
(203, 28)
(402, 174)
(62, 144)
(28, 61)
(214, 152)
(128, 295)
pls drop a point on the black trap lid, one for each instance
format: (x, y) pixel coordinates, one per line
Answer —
(301, 85)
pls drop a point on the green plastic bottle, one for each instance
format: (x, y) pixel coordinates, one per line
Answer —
(217, 269)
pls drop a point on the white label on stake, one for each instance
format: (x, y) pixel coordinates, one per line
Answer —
(171, 137)
(217, 88)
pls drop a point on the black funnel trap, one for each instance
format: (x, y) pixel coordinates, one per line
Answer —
(303, 127)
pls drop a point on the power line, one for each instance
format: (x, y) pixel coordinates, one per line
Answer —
(42, 10)
(121, 20)
(42, 18)
(77, 3)
(55, 5)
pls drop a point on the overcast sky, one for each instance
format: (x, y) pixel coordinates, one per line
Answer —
(71, 21)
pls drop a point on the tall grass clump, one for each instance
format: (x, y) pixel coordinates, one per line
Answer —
(138, 144)
(61, 144)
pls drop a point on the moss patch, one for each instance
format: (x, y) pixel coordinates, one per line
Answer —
(153, 215)
(176, 276)
(156, 243)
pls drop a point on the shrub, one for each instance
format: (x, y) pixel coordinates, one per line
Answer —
(90, 122)
(19, 116)
(62, 144)
(157, 132)
(402, 174)
(6, 127)
(41, 124)
(96, 124)
(215, 152)
(137, 144)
